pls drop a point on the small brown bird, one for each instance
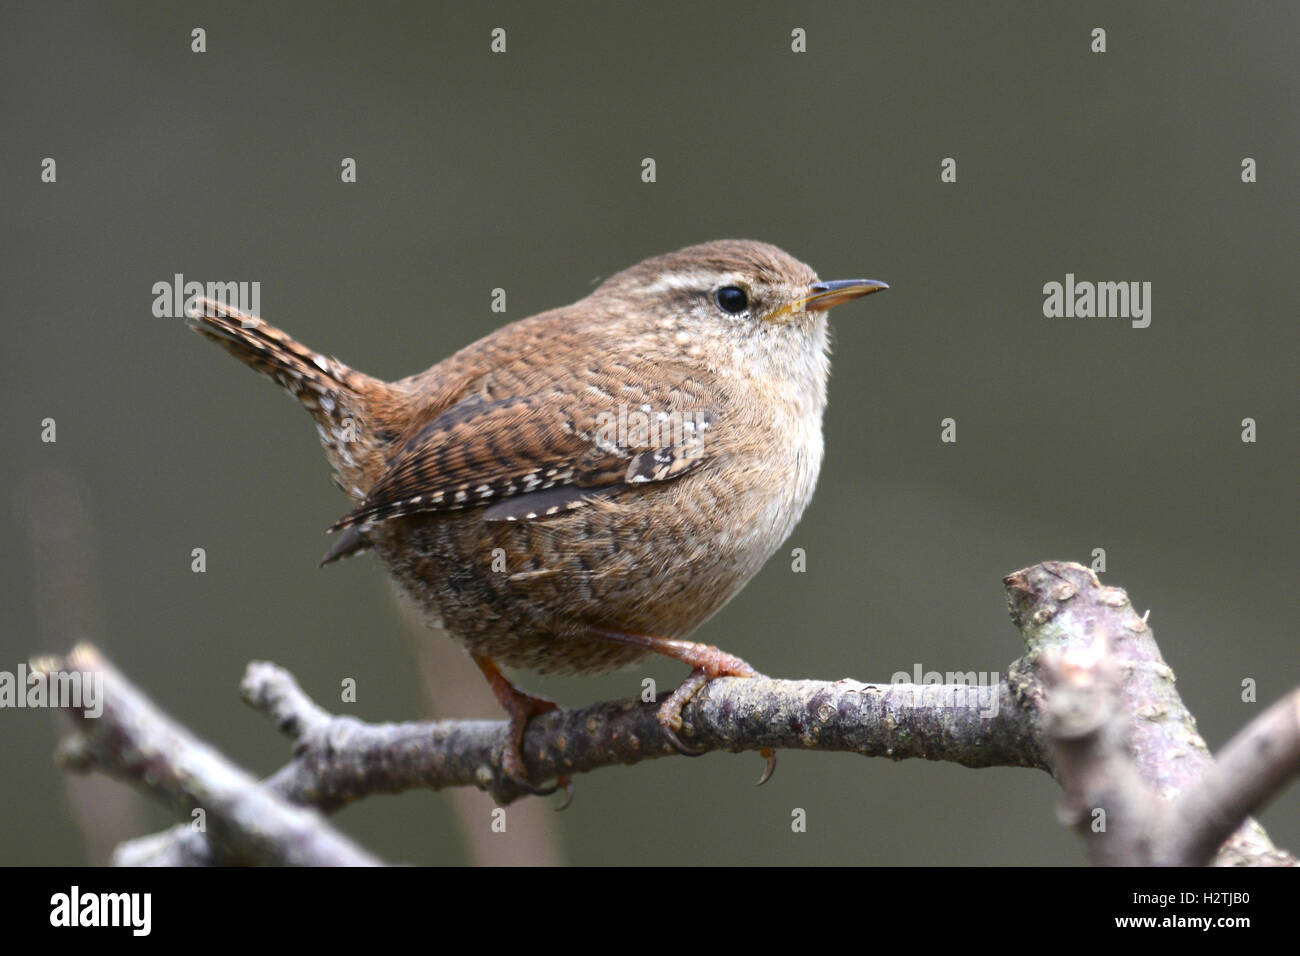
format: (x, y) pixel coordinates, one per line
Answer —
(589, 485)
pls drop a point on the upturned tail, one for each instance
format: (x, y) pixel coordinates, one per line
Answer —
(340, 398)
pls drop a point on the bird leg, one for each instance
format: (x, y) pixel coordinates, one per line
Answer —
(707, 662)
(520, 707)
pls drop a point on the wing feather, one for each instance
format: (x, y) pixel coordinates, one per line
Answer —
(532, 456)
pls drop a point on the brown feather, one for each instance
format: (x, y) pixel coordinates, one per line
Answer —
(482, 451)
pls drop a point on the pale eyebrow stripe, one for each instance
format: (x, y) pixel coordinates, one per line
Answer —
(693, 280)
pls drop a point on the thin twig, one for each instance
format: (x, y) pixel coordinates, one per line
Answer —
(134, 740)
(1251, 769)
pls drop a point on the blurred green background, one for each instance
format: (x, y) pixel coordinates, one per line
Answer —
(522, 171)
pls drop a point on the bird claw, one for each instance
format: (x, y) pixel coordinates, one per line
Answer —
(683, 748)
(566, 783)
(523, 783)
(512, 768)
(670, 712)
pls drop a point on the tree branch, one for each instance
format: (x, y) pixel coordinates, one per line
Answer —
(1091, 701)
(1122, 740)
(134, 740)
(340, 759)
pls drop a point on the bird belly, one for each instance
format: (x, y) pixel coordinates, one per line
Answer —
(657, 561)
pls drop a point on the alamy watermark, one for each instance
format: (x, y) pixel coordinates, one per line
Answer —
(132, 911)
(978, 690)
(178, 298)
(1102, 300)
(65, 690)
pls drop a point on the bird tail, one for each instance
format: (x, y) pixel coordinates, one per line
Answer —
(335, 394)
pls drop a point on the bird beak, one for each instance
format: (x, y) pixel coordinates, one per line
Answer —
(823, 295)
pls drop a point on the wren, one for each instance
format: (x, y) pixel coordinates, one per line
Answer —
(589, 485)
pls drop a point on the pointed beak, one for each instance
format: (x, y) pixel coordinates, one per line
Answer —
(823, 295)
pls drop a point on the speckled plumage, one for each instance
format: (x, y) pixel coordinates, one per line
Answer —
(504, 451)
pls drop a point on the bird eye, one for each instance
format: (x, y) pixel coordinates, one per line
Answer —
(731, 299)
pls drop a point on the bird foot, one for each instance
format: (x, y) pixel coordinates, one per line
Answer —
(707, 662)
(670, 712)
(521, 707)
